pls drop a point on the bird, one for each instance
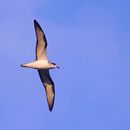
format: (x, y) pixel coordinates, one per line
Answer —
(43, 65)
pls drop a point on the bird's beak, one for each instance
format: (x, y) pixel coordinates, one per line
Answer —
(58, 67)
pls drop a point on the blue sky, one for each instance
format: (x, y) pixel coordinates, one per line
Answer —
(90, 40)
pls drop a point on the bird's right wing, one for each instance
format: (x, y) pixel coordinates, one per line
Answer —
(41, 43)
(49, 86)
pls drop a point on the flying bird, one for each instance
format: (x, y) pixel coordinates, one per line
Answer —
(42, 64)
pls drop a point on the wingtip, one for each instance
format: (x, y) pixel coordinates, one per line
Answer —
(50, 93)
(50, 108)
(36, 24)
(35, 21)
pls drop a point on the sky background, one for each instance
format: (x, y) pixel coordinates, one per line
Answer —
(90, 41)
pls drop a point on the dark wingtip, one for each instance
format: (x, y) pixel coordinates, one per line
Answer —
(35, 21)
(36, 24)
(50, 108)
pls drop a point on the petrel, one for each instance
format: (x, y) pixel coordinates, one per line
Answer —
(42, 64)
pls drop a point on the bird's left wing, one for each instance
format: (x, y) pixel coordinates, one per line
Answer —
(49, 86)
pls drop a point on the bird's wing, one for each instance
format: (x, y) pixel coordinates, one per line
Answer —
(41, 43)
(49, 86)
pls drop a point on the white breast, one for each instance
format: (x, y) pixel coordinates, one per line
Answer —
(39, 64)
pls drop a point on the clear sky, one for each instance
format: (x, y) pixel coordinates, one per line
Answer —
(90, 41)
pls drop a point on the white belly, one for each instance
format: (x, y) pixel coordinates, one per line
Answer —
(40, 64)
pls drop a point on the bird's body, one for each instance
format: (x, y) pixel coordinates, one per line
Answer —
(43, 65)
(39, 64)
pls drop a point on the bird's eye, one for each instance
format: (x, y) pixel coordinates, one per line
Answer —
(53, 63)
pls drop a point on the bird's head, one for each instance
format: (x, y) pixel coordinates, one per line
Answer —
(55, 65)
